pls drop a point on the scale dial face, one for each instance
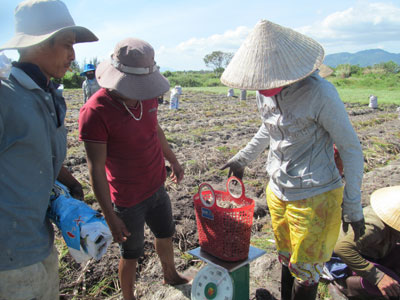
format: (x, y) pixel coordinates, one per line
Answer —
(212, 283)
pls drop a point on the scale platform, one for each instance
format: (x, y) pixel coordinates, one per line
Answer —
(221, 279)
(254, 253)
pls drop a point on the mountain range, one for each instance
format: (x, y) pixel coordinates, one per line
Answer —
(363, 58)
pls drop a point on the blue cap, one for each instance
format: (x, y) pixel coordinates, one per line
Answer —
(88, 67)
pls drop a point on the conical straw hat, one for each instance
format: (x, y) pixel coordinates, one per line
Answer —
(272, 56)
(386, 204)
(325, 71)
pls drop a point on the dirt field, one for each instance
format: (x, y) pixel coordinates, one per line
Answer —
(204, 134)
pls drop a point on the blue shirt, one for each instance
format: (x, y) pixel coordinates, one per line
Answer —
(32, 149)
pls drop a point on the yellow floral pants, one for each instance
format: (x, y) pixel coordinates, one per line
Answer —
(306, 231)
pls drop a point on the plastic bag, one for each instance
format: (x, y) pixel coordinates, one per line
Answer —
(84, 230)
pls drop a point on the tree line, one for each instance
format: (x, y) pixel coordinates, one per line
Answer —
(385, 73)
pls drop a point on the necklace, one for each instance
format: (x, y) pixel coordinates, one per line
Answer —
(129, 111)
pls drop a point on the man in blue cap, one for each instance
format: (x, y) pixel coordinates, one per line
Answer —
(90, 85)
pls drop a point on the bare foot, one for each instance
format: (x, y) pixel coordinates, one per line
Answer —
(177, 280)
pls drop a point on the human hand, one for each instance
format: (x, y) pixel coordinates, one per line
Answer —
(358, 228)
(177, 173)
(234, 168)
(76, 191)
(389, 287)
(118, 229)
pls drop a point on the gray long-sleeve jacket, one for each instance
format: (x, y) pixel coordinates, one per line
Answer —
(300, 125)
(89, 87)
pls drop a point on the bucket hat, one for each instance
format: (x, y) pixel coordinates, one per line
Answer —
(272, 56)
(132, 71)
(88, 67)
(39, 20)
(386, 204)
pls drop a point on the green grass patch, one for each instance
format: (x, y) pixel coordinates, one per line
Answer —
(378, 153)
(64, 268)
(90, 198)
(194, 190)
(361, 95)
(323, 291)
(227, 150)
(223, 149)
(71, 151)
(266, 242)
(373, 122)
(199, 130)
(384, 146)
(74, 133)
(263, 243)
(254, 182)
(74, 105)
(186, 256)
(170, 139)
(347, 94)
(175, 138)
(104, 288)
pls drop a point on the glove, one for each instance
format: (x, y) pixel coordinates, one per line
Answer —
(358, 228)
(234, 168)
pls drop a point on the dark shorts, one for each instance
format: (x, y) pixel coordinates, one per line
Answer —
(156, 212)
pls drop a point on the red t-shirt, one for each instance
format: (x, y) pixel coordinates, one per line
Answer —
(135, 164)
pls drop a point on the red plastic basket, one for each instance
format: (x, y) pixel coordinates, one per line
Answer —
(224, 232)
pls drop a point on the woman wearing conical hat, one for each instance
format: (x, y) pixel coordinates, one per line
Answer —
(375, 257)
(302, 117)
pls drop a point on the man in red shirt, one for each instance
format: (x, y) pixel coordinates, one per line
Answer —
(125, 149)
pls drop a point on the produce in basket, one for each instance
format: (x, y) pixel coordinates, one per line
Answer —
(224, 221)
(229, 204)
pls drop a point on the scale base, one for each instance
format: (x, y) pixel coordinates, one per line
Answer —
(237, 272)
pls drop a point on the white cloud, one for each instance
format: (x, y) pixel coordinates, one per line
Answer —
(362, 25)
(109, 33)
(228, 41)
(191, 52)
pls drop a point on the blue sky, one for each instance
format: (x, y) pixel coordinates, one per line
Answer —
(183, 32)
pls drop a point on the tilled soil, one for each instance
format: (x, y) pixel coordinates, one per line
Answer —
(206, 131)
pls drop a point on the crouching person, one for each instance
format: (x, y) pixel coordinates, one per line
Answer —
(125, 149)
(374, 260)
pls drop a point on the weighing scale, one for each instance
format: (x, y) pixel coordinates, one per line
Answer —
(222, 280)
